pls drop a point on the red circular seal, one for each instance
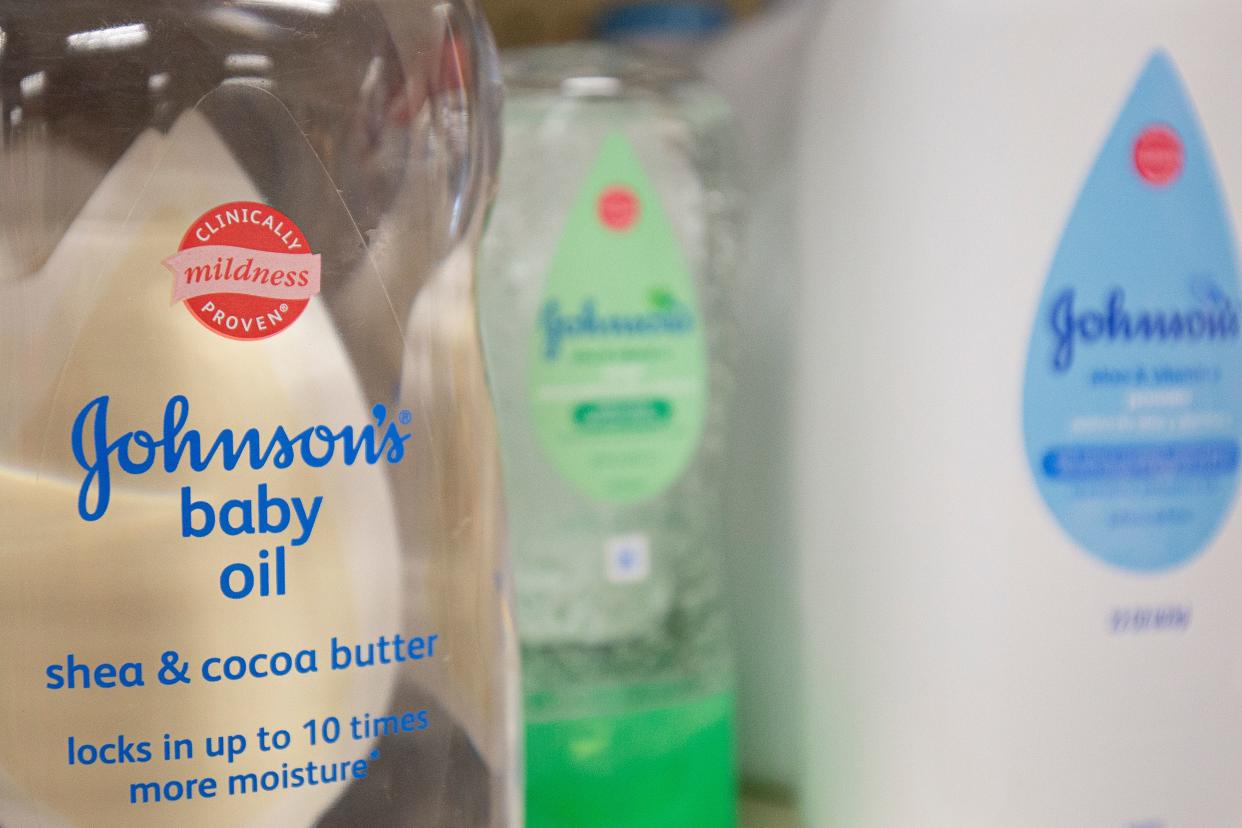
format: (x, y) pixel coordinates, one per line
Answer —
(619, 208)
(245, 271)
(1159, 155)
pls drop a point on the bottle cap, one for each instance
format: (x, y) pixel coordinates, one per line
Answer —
(666, 19)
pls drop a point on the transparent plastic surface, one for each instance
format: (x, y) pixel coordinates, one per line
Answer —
(250, 560)
(614, 496)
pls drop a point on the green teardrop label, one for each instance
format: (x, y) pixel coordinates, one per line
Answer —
(618, 378)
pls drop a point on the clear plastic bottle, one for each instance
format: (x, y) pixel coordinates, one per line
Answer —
(233, 240)
(605, 291)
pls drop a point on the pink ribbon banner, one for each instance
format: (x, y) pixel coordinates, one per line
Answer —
(212, 269)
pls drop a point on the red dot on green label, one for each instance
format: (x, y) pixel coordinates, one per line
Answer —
(619, 208)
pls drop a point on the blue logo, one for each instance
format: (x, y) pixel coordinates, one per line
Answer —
(1214, 319)
(667, 317)
(173, 445)
(1133, 391)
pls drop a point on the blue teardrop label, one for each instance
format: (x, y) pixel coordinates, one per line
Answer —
(1133, 381)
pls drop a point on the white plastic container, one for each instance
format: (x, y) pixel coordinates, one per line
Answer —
(1022, 382)
(759, 551)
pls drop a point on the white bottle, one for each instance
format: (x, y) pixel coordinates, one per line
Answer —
(758, 488)
(1018, 431)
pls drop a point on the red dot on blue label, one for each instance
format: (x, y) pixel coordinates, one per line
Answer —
(1159, 155)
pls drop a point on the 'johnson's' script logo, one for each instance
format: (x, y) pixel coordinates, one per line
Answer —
(102, 454)
(1215, 318)
(666, 316)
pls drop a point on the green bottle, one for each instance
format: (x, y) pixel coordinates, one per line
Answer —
(605, 291)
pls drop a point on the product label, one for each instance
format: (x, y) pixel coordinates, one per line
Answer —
(618, 380)
(245, 271)
(1133, 388)
(205, 617)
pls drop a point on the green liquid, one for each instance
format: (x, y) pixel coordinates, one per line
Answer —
(670, 767)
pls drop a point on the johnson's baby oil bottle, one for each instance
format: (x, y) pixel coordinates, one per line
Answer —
(605, 299)
(217, 219)
(1019, 432)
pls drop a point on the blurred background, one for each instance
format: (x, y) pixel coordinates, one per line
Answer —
(964, 660)
(749, 50)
